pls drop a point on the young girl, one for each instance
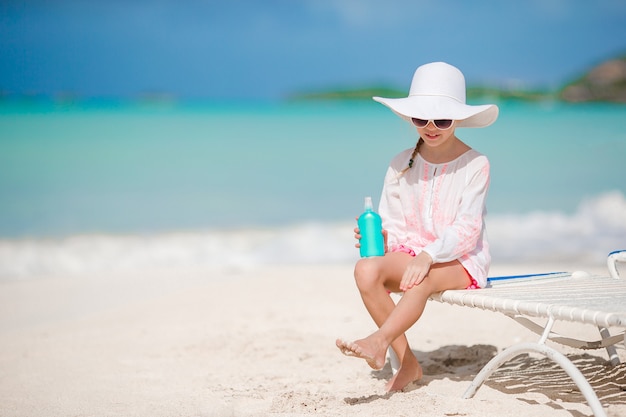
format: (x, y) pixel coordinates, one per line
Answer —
(432, 206)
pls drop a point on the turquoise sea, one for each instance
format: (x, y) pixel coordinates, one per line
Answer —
(103, 184)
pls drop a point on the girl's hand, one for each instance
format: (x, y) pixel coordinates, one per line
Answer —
(357, 236)
(416, 271)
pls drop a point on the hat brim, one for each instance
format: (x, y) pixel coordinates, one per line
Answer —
(441, 107)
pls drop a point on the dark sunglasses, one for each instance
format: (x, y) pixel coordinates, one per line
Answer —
(441, 124)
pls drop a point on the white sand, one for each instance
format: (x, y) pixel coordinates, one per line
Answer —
(256, 343)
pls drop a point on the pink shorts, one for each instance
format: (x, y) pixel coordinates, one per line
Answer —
(473, 285)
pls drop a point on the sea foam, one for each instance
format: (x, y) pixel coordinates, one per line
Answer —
(597, 227)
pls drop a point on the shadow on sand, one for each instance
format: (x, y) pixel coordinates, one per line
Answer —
(523, 374)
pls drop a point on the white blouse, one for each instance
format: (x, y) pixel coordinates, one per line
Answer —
(439, 209)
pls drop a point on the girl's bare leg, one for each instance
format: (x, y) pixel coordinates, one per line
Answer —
(375, 276)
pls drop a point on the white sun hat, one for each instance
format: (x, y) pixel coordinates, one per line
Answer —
(438, 92)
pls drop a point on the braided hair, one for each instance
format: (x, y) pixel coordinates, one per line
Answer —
(412, 160)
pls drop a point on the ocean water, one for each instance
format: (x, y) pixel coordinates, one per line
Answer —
(97, 186)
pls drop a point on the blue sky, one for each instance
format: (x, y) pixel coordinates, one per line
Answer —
(268, 49)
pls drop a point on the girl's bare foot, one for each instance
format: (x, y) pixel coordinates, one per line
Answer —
(409, 371)
(364, 349)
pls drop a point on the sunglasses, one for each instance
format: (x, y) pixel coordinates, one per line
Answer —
(441, 124)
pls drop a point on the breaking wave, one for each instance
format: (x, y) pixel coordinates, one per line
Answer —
(597, 227)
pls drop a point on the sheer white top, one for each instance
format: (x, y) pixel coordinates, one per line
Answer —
(439, 209)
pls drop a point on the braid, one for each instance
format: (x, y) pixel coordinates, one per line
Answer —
(412, 160)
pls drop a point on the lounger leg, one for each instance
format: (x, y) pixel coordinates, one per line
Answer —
(393, 361)
(566, 364)
(613, 356)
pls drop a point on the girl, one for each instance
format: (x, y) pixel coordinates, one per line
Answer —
(432, 206)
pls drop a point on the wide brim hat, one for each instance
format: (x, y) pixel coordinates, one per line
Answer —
(438, 92)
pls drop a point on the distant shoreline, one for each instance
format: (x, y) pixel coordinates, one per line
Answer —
(605, 82)
(473, 92)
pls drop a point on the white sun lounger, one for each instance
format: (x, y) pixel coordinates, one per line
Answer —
(575, 297)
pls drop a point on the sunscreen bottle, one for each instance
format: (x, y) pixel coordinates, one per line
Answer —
(371, 228)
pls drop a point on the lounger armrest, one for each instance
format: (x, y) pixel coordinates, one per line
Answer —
(613, 259)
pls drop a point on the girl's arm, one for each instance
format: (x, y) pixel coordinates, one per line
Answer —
(390, 207)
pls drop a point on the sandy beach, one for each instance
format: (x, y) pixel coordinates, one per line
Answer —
(258, 342)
